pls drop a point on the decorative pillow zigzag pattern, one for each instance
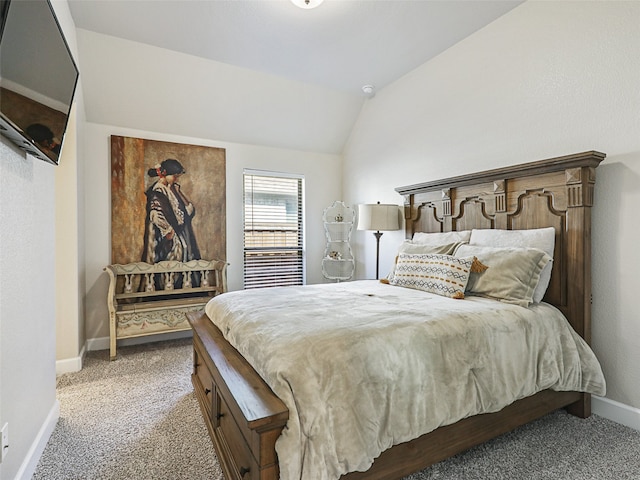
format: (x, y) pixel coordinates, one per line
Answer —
(440, 274)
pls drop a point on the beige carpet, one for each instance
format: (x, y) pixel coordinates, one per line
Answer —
(134, 418)
(137, 418)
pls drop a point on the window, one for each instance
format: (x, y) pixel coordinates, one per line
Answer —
(273, 229)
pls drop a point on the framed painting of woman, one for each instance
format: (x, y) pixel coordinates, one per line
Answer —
(168, 201)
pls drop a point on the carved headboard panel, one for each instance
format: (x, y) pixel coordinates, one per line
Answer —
(556, 192)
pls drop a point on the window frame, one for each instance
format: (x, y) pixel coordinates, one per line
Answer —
(300, 221)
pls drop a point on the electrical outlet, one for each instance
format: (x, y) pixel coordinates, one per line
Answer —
(4, 441)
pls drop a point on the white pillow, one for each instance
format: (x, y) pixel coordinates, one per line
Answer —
(409, 246)
(441, 238)
(512, 273)
(541, 238)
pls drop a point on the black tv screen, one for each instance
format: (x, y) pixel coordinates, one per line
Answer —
(38, 78)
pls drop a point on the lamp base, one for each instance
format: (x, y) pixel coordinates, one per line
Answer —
(377, 234)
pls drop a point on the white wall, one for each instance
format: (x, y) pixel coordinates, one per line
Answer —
(322, 183)
(27, 299)
(139, 86)
(154, 93)
(546, 79)
(69, 251)
(69, 298)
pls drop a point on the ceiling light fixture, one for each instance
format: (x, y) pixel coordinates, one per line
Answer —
(369, 91)
(306, 4)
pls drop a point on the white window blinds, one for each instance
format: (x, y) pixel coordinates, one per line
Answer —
(273, 230)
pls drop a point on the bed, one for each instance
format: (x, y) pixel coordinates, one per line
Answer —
(238, 367)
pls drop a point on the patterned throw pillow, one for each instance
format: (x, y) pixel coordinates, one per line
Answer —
(440, 274)
(408, 246)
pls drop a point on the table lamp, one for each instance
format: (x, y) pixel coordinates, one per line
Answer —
(378, 217)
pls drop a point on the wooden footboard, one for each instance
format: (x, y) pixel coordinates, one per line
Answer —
(444, 442)
(243, 416)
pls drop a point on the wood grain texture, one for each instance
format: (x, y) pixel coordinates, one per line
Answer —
(139, 307)
(243, 415)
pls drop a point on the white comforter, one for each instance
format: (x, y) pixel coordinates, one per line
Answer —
(363, 366)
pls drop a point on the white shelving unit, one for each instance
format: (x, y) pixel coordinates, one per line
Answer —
(338, 263)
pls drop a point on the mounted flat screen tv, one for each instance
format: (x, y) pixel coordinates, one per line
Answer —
(38, 78)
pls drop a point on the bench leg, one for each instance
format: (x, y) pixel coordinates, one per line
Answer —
(112, 337)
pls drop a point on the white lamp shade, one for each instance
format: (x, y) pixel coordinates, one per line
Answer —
(376, 216)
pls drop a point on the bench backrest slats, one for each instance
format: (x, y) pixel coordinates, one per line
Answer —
(145, 282)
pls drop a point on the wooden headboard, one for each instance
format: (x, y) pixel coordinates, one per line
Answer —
(557, 192)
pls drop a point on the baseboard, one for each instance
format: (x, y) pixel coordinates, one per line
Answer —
(32, 458)
(70, 365)
(102, 343)
(616, 411)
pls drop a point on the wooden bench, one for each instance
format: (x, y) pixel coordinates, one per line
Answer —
(148, 299)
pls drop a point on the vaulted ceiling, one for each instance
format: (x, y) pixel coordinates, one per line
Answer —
(332, 51)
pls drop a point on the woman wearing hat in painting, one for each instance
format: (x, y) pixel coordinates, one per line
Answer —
(168, 232)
